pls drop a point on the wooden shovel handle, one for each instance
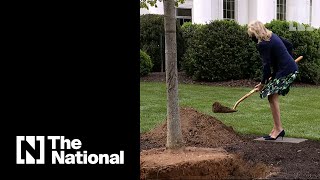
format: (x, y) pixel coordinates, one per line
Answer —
(256, 89)
(298, 59)
(244, 97)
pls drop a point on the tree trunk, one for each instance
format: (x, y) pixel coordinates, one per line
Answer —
(174, 133)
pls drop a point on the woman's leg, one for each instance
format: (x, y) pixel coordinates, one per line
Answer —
(275, 109)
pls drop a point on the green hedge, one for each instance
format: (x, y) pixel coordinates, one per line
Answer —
(222, 50)
(188, 31)
(145, 63)
(151, 30)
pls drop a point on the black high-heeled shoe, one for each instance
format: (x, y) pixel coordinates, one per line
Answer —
(281, 134)
(266, 136)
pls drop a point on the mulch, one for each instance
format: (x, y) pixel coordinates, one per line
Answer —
(184, 79)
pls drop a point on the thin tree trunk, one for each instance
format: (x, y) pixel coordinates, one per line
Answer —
(174, 133)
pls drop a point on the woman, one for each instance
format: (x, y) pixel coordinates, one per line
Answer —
(276, 56)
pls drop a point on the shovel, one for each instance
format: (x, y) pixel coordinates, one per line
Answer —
(219, 108)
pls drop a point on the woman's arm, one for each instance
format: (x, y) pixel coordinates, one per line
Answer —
(265, 54)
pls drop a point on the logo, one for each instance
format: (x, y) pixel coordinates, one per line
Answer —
(31, 150)
(300, 27)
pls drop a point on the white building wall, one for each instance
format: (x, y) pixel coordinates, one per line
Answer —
(316, 13)
(205, 11)
(242, 8)
(253, 10)
(159, 9)
(152, 9)
(298, 10)
(187, 4)
(266, 10)
(202, 11)
(217, 9)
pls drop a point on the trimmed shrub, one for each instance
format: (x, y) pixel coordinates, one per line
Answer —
(220, 51)
(188, 31)
(145, 63)
(152, 38)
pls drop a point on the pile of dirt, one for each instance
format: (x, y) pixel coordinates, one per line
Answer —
(219, 108)
(203, 157)
(198, 130)
(197, 163)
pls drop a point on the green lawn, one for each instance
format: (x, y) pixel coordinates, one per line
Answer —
(300, 109)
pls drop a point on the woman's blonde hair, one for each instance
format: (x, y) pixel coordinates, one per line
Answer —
(257, 29)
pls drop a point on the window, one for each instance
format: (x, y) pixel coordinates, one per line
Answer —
(183, 15)
(310, 18)
(228, 9)
(281, 9)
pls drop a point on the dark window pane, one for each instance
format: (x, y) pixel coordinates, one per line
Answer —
(183, 12)
(228, 9)
(187, 20)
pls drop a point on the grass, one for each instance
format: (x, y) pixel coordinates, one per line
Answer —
(300, 109)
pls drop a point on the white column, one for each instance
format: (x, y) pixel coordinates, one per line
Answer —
(201, 13)
(315, 13)
(266, 10)
(242, 11)
(216, 9)
(299, 10)
(253, 10)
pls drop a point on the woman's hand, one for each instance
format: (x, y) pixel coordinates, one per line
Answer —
(259, 86)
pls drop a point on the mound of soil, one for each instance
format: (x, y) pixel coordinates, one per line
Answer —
(285, 160)
(219, 108)
(198, 130)
(197, 163)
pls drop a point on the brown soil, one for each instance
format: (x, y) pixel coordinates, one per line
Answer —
(219, 108)
(197, 163)
(198, 129)
(238, 157)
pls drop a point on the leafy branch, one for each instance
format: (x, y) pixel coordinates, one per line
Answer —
(153, 3)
